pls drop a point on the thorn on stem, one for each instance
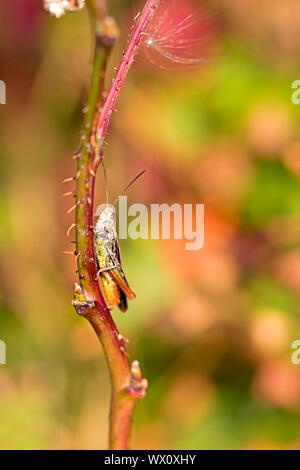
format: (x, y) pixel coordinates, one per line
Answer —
(70, 228)
(123, 340)
(71, 209)
(122, 348)
(67, 180)
(91, 172)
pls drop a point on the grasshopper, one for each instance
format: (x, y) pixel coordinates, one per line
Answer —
(108, 257)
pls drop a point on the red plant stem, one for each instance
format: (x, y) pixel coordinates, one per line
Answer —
(128, 386)
(126, 62)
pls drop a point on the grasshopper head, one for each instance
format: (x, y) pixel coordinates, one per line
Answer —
(106, 222)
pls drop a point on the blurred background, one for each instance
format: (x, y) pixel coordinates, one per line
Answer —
(212, 329)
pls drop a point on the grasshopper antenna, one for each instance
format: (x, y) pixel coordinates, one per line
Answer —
(105, 179)
(130, 184)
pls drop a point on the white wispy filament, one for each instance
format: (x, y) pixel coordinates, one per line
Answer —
(180, 33)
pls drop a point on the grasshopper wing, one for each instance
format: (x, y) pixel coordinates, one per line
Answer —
(117, 273)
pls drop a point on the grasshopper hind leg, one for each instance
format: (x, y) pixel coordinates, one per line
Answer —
(122, 302)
